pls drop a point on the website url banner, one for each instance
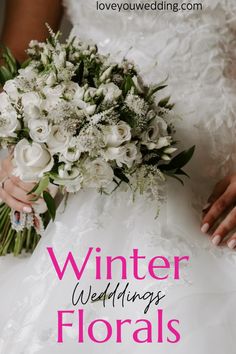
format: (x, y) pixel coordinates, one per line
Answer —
(148, 6)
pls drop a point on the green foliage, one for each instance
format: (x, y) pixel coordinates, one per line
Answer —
(120, 174)
(40, 188)
(50, 202)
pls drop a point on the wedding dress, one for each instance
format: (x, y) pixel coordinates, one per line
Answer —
(196, 50)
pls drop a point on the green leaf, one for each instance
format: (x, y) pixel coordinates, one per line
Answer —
(127, 84)
(170, 106)
(164, 102)
(181, 173)
(50, 202)
(177, 178)
(119, 174)
(2, 79)
(155, 89)
(180, 160)
(10, 61)
(40, 187)
(25, 63)
(5, 75)
(80, 73)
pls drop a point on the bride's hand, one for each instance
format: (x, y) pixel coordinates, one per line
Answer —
(13, 191)
(221, 201)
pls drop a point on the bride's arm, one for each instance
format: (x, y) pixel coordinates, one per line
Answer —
(24, 20)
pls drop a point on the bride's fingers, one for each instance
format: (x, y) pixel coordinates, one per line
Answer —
(225, 201)
(27, 187)
(16, 192)
(14, 203)
(227, 225)
(218, 190)
(232, 242)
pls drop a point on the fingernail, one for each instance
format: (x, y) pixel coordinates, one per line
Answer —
(206, 206)
(216, 240)
(232, 244)
(27, 210)
(205, 228)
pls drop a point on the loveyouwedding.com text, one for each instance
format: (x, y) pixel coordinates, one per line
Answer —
(157, 328)
(148, 6)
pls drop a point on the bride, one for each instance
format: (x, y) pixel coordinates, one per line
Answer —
(195, 48)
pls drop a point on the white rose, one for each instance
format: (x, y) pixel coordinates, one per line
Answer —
(72, 153)
(10, 88)
(39, 130)
(70, 177)
(126, 154)
(97, 173)
(115, 135)
(8, 123)
(50, 79)
(52, 97)
(58, 140)
(31, 160)
(78, 101)
(4, 101)
(90, 93)
(29, 73)
(31, 103)
(110, 91)
(154, 133)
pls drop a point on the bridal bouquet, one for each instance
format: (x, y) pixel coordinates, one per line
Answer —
(74, 119)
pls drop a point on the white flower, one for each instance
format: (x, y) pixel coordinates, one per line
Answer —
(90, 109)
(50, 79)
(153, 136)
(39, 130)
(137, 80)
(10, 88)
(8, 117)
(4, 101)
(79, 94)
(31, 160)
(70, 177)
(97, 173)
(136, 104)
(52, 97)
(8, 123)
(163, 141)
(72, 153)
(90, 93)
(57, 140)
(170, 150)
(31, 103)
(106, 74)
(126, 154)
(110, 91)
(85, 106)
(165, 157)
(29, 73)
(59, 60)
(115, 135)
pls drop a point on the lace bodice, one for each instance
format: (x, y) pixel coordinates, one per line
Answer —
(196, 50)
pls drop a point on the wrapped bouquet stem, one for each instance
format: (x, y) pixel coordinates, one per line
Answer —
(75, 119)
